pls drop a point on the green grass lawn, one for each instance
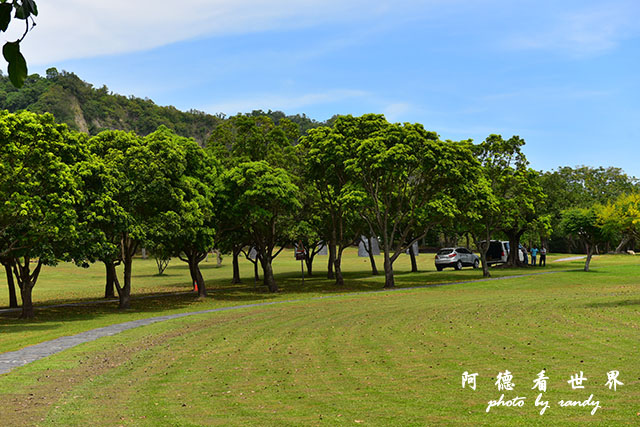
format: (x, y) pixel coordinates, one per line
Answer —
(392, 358)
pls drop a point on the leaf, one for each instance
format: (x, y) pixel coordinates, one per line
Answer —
(32, 7)
(22, 12)
(10, 50)
(5, 16)
(17, 63)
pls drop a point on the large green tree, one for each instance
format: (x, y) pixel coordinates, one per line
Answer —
(146, 175)
(263, 200)
(586, 224)
(40, 195)
(409, 180)
(185, 223)
(324, 153)
(514, 194)
(250, 138)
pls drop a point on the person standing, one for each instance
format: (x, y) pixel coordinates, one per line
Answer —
(543, 257)
(534, 252)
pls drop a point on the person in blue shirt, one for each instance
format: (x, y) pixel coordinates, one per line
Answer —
(534, 252)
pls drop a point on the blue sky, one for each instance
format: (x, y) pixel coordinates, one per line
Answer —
(562, 75)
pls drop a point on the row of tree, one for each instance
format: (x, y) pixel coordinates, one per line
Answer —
(260, 184)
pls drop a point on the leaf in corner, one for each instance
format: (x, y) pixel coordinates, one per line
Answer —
(5, 16)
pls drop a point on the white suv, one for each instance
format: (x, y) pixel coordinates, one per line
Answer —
(456, 258)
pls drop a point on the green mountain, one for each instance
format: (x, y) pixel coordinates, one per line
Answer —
(89, 109)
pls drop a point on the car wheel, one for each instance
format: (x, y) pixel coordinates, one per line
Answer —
(438, 268)
(476, 264)
(459, 265)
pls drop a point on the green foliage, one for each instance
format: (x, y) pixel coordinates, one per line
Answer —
(24, 10)
(585, 224)
(260, 195)
(186, 217)
(38, 189)
(250, 138)
(580, 187)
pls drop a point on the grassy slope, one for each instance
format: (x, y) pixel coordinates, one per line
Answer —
(382, 358)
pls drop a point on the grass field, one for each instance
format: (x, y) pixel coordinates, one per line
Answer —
(391, 358)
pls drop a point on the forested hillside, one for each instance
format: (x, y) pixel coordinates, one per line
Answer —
(91, 109)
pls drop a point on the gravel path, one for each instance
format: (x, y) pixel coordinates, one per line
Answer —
(24, 356)
(571, 258)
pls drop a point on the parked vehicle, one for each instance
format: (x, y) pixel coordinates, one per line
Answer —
(498, 252)
(456, 258)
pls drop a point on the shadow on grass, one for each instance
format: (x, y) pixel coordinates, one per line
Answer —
(290, 283)
(622, 303)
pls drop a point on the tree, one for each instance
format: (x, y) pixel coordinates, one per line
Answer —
(514, 195)
(249, 138)
(144, 173)
(121, 224)
(40, 195)
(581, 187)
(263, 199)
(324, 153)
(408, 179)
(622, 219)
(587, 225)
(185, 223)
(245, 138)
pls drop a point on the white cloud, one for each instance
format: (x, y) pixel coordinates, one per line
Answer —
(283, 103)
(396, 111)
(68, 29)
(584, 32)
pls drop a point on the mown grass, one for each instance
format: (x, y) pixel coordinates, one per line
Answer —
(67, 283)
(393, 358)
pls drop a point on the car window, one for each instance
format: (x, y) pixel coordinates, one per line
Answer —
(462, 251)
(445, 251)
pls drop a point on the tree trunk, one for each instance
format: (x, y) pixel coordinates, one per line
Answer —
(124, 292)
(236, 265)
(372, 260)
(513, 258)
(623, 243)
(414, 264)
(27, 303)
(26, 282)
(308, 260)
(196, 274)
(193, 260)
(332, 259)
(256, 274)
(483, 260)
(589, 255)
(388, 271)
(267, 271)
(13, 300)
(109, 288)
(337, 264)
